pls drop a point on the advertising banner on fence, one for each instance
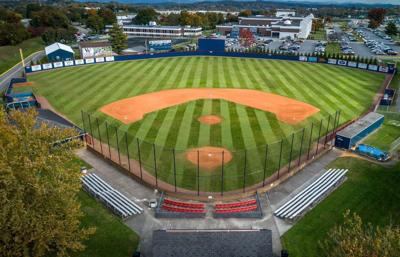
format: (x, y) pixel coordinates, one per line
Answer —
(332, 61)
(303, 58)
(79, 62)
(342, 62)
(383, 69)
(362, 65)
(372, 67)
(352, 64)
(90, 60)
(68, 63)
(313, 59)
(36, 67)
(99, 59)
(57, 64)
(109, 58)
(47, 66)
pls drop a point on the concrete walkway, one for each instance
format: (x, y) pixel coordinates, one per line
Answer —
(145, 223)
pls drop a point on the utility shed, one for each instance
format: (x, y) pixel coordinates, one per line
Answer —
(212, 243)
(59, 52)
(349, 136)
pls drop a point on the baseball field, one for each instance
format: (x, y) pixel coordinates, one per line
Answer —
(121, 94)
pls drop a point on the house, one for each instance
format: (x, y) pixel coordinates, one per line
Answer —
(59, 52)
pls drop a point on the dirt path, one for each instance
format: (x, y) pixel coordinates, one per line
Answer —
(134, 108)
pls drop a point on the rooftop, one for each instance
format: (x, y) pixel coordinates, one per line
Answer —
(212, 243)
(56, 46)
(360, 125)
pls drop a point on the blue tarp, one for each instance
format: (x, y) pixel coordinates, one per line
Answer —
(373, 152)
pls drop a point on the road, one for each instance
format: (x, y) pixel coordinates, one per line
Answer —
(17, 71)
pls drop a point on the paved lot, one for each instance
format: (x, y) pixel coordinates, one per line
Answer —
(145, 223)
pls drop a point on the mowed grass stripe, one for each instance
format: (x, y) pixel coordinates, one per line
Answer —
(185, 126)
(226, 133)
(204, 132)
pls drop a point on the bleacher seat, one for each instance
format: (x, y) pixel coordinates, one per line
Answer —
(112, 198)
(311, 194)
(237, 209)
(236, 204)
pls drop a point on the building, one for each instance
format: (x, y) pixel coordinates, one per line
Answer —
(212, 243)
(125, 19)
(93, 49)
(153, 30)
(59, 52)
(352, 134)
(284, 24)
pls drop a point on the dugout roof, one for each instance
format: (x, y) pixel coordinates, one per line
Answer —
(212, 243)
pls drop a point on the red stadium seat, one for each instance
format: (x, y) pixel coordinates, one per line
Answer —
(180, 209)
(238, 209)
(184, 204)
(236, 204)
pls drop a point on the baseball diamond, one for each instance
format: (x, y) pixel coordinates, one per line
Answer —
(164, 137)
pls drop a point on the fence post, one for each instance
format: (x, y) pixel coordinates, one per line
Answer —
(127, 151)
(280, 158)
(198, 173)
(244, 170)
(327, 129)
(140, 158)
(265, 164)
(116, 136)
(108, 141)
(291, 150)
(222, 174)
(155, 164)
(319, 136)
(301, 146)
(173, 155)
(333, 128)
(84, 127)
(98, 130)
(309, 141)
(91, 130)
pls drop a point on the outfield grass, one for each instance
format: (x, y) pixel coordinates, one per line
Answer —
(9, 55)
(371, 190)
(385, 135)
(327, 87)
(112, 237)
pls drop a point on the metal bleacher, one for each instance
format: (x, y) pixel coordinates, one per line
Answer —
(113, 199)
(296, 206)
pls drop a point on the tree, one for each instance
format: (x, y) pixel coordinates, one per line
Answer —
(118, 38)
(108, 15)
(95, 22)
(354, 239)
(12, 33)
(376, 17)
(245, 13)
(50, 17)
(145, 15)
(38, 189)
(391, 29)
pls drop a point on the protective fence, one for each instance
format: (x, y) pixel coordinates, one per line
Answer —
(198, 172)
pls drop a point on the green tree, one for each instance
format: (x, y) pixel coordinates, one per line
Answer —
(50, 17)
(108, 15)
(12, 33)
(391, 29)
(95, 22)
(145, 15)
(355, 239)
(40, 213)
(118, 38)
(376, 17)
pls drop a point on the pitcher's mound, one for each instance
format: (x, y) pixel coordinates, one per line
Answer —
(209, 157)
(209, 119)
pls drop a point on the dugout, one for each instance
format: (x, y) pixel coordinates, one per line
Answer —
(349, 136)
(211, 45)
(212, 243)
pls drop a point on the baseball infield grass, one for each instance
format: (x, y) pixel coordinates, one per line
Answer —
(329, 88)
(371, 191)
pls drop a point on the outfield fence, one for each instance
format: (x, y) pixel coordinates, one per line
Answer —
(169, 169)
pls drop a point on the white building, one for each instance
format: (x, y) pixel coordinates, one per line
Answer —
(153, 30)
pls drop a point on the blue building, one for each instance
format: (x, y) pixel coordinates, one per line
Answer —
(349, 136)
(59, 52)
